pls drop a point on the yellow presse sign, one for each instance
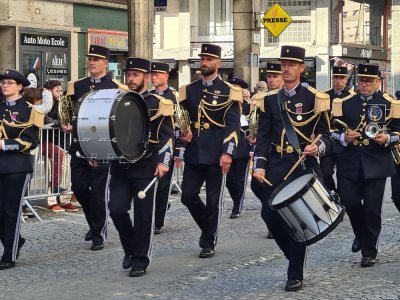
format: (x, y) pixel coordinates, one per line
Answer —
(276, 20)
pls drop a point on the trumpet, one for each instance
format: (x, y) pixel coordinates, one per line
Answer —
(341, 125)
(372, 129)
(65, 110)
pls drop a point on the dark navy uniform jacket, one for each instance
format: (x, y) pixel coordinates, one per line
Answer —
(364, 155)
(161, 141)
(172, 95)
(336, 148)
(301, 104)
(19, 131)
(214, 113)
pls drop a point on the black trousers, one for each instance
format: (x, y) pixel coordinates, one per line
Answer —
(293, 251)
(395, 183)
(12, 192)
(90, 188)
(236, 182)
(363, 201)
(162, 196)
(207, 215)
(327, 164)
(137, 237)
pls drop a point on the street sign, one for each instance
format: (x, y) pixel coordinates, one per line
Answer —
(276, 20)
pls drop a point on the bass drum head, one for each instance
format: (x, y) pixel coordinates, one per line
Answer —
(131, 126)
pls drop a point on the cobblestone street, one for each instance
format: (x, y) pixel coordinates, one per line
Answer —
(56, 263)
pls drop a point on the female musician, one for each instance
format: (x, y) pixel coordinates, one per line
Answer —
(19, 133)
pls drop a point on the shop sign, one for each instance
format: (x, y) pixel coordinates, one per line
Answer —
(366, 53)
(113, 40)
(38, 39)
(53, 71)
(276, 20)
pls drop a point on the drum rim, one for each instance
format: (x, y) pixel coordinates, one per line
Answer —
(293, 198)
(111, 126)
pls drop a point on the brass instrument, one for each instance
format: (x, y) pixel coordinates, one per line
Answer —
(182, 119)
(341, 125)
(253, 124)
(396, 154)
(65, 109)
(372, 129)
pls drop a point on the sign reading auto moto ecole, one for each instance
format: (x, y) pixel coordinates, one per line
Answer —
(276, 20)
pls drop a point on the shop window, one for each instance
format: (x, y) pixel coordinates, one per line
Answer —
(215, 17)
(297, 32)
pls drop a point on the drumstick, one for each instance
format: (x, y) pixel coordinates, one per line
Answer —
(142, 194)
(302, 157)
(266, 181)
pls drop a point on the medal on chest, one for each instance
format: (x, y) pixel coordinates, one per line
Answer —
(299, 111)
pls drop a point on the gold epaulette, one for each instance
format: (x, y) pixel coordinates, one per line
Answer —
(36, 117)
(121, 86)
(337, 105)
(394, 105)
(176, 94)
(71, 88)
(182, 93)
(322, 100)
(235, 92)
(257, 101)
(165, 107)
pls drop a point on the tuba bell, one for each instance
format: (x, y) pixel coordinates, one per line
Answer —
(372, 129)
(65, 109)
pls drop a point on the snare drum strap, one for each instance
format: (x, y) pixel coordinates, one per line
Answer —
(290, 132)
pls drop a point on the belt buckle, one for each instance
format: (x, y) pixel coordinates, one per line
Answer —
(206, 126)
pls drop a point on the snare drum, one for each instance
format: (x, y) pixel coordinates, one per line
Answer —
(112, 125)
(308, 209)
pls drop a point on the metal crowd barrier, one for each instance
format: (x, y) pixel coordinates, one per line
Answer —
(51, 169)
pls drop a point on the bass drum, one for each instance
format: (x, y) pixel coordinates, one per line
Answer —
(112, 125)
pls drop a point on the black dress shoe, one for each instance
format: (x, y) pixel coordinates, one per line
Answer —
(355, 247)
(136, 272)
(206, 253)
(367, 261)
(20, 244)
(293, 285)
(89, 235)
(157, 230)
(6, 265)
(234, 215)
(126, 263)
(97, 246)
(270, 236)
(201, 241)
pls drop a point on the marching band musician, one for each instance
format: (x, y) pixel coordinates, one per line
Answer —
(129, 179)
(88, 179)
(19, 133)
(274, 82)
(236, 179)
(159, 79)
(214, 109)
(339, 90)
(275, 152)
(366, 160)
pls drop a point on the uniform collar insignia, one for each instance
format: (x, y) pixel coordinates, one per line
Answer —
(95, 80)
(366, 98)
(11, 103)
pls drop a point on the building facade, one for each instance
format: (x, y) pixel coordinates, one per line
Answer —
(50, 38)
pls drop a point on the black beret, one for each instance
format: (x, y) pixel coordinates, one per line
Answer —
(274, 67)
(293, 53)
(138, 64)
(99, 51)
(239, 81)
(159, 67)
(17, 76)
(211, 50)
(368, 70)
(339, 71)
